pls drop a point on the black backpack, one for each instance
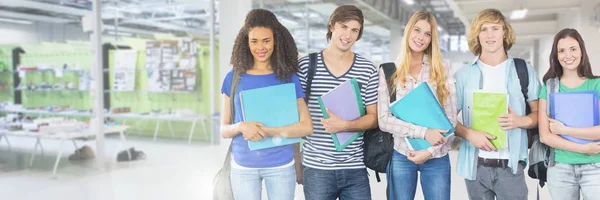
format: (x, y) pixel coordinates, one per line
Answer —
(536, 170)
(378, 145)
(523, 75)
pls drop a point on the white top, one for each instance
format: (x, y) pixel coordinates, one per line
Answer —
(494, 80)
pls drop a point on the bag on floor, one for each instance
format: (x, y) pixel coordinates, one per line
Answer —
(83, 153)
(130, 154)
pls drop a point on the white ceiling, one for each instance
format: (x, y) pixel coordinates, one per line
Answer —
(541, 19)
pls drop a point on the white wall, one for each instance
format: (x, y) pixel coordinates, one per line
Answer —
(582, 21)
(543, 56)
(39, 32)
(458, 59)
(396, 36)
(590, 33)
(232, 14)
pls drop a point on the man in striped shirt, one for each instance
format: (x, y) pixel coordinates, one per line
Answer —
(330, 174)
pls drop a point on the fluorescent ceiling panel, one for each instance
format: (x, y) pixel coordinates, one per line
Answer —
(16, 21)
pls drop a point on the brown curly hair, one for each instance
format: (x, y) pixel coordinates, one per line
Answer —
(284, 59)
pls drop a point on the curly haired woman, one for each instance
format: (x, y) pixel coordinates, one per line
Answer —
(264, 54)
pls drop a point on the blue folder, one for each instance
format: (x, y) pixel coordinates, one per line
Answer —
(420, 107)
(575, 109)
(272, 106)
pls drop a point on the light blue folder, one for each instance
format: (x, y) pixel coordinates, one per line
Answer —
(420, 107)
(272, 106)
(575, 109)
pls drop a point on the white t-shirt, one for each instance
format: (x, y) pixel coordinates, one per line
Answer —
(494, 80)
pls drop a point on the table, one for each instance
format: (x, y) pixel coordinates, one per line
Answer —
(66, 136)
(168, 118)
(158, 117)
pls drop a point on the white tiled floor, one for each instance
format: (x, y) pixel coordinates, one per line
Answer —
(172, 170)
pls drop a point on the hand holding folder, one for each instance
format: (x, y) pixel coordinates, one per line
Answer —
(487, 108)
(575, 109)
(343, 102)
(272, 106)
(421, 107)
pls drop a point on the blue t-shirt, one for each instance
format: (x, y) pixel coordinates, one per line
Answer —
(263, 158)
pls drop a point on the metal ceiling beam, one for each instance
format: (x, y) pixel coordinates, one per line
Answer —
(45, 6)
(538, 11)
(458, 13)
(32, 17)
(130, 30)
(375, 8)
(464, 2)
(165, 26)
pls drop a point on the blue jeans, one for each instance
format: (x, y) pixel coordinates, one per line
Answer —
(247, 183)
(566, 181)
(347, 184)
(402, 177)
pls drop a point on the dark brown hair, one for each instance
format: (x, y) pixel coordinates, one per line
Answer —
(284, 59)
(556, 71)
(344, 14)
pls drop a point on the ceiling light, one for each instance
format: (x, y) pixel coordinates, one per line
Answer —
(518, 14)
(409, 2)
(15, 21)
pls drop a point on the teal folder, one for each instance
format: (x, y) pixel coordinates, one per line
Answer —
(420, 107)
(272, 106)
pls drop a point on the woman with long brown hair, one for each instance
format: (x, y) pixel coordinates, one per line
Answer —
(576, 168)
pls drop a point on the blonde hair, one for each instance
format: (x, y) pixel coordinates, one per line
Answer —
(489, 16)
(434, 55)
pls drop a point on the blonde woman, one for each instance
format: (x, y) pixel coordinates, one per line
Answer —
(489, 172)
(420, 61)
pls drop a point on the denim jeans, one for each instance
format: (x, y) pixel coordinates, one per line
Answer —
(498, 183)
(247, 183)
(566, 181)
(347, 184)
(402, 177)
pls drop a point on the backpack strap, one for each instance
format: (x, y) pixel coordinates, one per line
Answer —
(523, 75)
(388, 71)
(551, 87)
(312, 70)
(234, 85)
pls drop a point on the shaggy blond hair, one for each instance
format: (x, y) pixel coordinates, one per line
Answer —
(489, 16)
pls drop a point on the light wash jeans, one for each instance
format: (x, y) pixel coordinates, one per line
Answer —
(247, 183)
(568, 181)
(403, 173)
